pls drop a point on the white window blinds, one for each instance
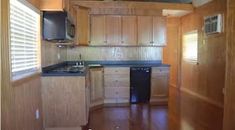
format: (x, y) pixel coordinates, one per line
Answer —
(24, 32)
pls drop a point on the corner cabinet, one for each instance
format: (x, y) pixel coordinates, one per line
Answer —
(82, 26)
(159, 85)
(97, 86)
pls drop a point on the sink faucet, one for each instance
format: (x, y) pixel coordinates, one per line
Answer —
(80, 60)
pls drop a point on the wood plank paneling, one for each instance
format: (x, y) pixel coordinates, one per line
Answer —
(64, 101)
(229, 107)
(27, 100)
(7, 90)
(50, 53)
(171, 53)
(206, 78)
(0, 64)
(133, 5)
(115, 53)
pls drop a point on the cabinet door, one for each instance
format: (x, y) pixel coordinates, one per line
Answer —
(113, 30)
(129, 31)
(145, 30)
(51, 5)
(98, 30)
(159, 86)
(82, 26)
(159, 30)
(97, 84)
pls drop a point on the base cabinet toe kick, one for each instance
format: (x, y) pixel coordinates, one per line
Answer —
(67, 100)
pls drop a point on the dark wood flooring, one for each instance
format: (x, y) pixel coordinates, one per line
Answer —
(183, 112)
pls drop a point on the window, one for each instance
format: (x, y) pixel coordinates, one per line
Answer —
(190, 47)
(24, 38)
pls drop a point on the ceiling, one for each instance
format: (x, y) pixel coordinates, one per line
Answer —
(170, 1)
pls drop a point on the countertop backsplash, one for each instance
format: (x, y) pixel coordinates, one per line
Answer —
(114, 53)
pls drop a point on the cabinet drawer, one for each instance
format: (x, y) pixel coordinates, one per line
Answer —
(117, 81)
(123, 92)
(110, 92)
(160, 70)
(117, 92)
(117, 70)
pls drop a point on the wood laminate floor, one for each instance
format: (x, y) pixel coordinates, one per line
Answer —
(184, 112)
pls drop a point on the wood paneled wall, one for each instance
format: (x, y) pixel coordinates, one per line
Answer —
(18, 102)
(206, 79)
(0, 62)
(50, 53)
(26, 101)
(171, 53)
(229, 109)
(115, 53)
(7, 96)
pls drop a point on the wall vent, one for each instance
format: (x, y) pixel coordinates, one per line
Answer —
(213, 24)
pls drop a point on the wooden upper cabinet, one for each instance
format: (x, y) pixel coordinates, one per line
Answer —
(35, 3)
(98, 30)
(113, 30)
(159, 30)
(54, 5)
(129, 30)
(145, 30)
(82, 26)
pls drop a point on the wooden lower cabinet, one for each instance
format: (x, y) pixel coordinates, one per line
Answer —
(97, 86)
(65, 101)
(117, 85)
(159, 85)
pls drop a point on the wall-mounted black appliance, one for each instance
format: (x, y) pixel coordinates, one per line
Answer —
(57, 27)
(140, 78)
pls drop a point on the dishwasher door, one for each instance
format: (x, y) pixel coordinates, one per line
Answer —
(140, 78)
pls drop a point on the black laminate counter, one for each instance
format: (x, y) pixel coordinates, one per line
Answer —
(47, 71)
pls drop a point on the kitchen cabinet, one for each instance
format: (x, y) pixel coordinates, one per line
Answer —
(159, 85)
(98, 31)
(82, 26)
(145, 30)
(151, 30)
(97, 86)
(159, 31)
(54, 5)
(65, 101)
(113, 30)
(117, 85)
(129, 31)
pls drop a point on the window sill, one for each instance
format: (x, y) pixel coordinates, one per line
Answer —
(18, 80)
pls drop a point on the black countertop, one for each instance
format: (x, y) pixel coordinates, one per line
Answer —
(48, 71)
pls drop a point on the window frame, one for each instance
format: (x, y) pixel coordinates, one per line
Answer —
(29, 74)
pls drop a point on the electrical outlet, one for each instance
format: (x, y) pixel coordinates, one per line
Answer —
(37, 114)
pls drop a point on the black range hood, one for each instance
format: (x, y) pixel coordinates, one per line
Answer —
(57, 27)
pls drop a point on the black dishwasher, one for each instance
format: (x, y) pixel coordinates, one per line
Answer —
(140, 78)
